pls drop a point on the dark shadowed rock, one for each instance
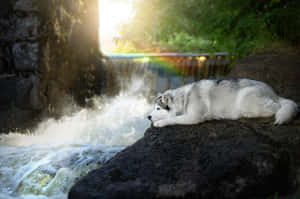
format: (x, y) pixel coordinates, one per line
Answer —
(213, 160)
(2, 66)
(72, 6)
(27, 93)
(26, 58)
(17, 93)
(27, 28)
(5, 8)
(20, 92)
(26, 5)
(8, 91)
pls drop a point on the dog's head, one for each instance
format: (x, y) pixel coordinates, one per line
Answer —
(162, 107)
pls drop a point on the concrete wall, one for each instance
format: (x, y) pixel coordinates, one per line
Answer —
(47, 46)
(48, 50)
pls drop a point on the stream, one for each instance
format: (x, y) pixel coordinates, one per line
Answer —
(45, 163)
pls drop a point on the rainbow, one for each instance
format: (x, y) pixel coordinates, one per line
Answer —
(175, 64)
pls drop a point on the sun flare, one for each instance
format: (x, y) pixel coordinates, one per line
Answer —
(113, 13)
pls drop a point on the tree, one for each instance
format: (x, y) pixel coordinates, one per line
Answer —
(205, 25)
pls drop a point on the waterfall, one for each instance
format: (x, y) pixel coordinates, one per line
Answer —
(45, 163)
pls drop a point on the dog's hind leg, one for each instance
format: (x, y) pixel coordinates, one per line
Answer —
(256, 102)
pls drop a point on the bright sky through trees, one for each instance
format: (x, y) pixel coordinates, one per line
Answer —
(197, 25)
(113, 13)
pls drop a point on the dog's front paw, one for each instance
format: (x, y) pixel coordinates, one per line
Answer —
(160, 123)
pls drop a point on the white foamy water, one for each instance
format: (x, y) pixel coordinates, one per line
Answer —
(44, 164)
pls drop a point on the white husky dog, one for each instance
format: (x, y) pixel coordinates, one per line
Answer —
(220, 99)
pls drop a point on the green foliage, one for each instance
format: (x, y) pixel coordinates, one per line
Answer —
(183, 42)
(276, 196)
(234, 26)
(126, 47)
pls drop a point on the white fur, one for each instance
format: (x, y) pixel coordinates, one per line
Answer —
(225, 99)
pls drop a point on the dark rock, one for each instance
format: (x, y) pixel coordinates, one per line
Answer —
(2, 66)
(24, 86)
(5, 60)
(27, 28)
(215, 160)
(8, 91)
(72, 6)
(27, 93)
(26, 56)
(19, 103)
(4, 25)
(77, 38)
(6, 8)
(64, 27)
(34, 100)
(26, 5)
(14, 119)
(7, 30)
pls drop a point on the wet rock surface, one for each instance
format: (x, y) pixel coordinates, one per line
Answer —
(217, 159)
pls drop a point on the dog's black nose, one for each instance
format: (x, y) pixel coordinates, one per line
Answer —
(149, 117)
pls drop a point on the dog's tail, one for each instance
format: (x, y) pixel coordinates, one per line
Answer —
(287, 111)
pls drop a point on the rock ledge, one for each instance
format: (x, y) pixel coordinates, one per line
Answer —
(215, 160)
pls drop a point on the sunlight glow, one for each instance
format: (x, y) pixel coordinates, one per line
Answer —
(202, 58)
(146, 59)
(113, 13)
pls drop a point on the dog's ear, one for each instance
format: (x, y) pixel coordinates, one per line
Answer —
(159, 97)
(167, 99)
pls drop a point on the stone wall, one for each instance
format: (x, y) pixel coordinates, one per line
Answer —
(48, 50)
(69, 55)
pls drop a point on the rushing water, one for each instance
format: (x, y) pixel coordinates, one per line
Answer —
(45, 164)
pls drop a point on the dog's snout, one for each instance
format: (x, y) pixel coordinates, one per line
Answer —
(149, 117)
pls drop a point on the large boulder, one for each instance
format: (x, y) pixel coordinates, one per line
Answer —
(217, 159)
